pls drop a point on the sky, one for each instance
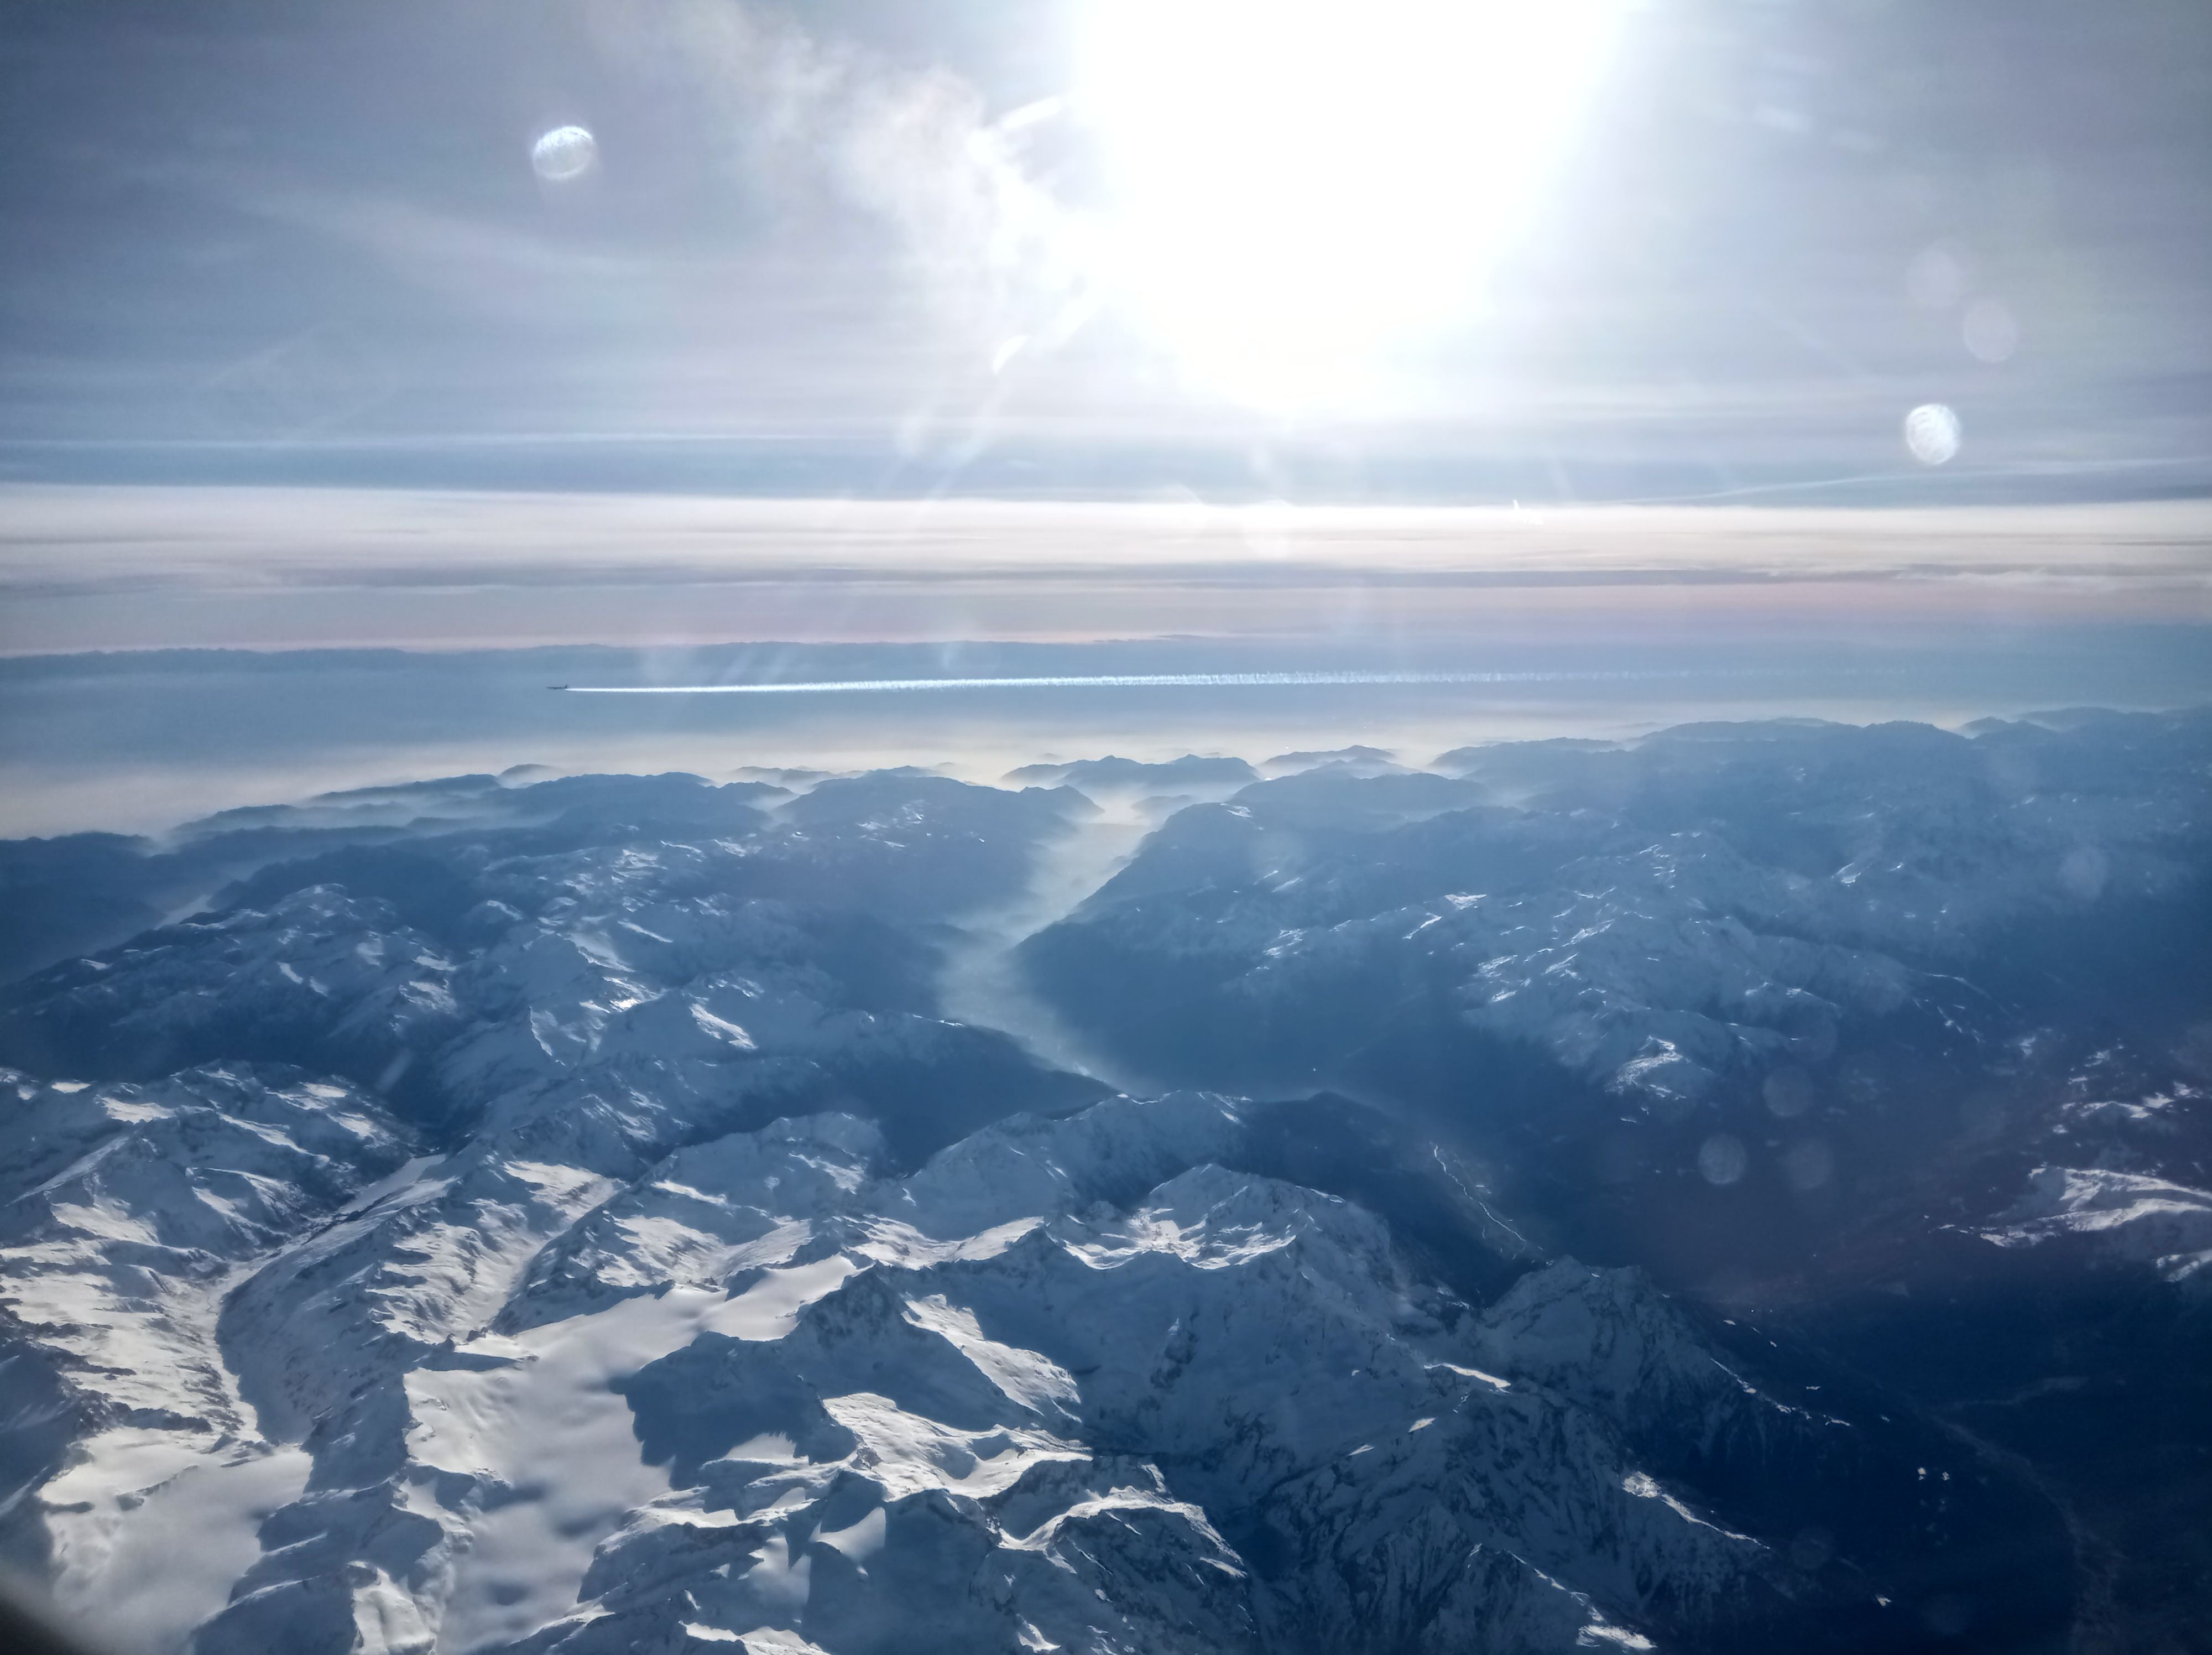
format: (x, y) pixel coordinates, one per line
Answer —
(1672, 357)
(1412, 251)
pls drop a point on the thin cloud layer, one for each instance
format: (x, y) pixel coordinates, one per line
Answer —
(105, 568)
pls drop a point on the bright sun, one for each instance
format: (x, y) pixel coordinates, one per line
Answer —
(1299, 184)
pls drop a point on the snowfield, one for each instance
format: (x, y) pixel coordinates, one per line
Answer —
(562, 1216)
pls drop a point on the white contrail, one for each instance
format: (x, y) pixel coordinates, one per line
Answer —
(1103, 681)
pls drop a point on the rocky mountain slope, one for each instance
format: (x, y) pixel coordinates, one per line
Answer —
(518, 1214)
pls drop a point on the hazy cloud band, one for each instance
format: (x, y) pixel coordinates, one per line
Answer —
(1106, 681)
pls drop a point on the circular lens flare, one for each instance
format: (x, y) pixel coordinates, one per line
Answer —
(1933, 434)
(1297, 184)
(564, 152)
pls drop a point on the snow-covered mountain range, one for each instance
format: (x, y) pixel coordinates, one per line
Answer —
(1501, 1206)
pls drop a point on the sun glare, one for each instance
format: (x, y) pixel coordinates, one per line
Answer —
(1297, 184)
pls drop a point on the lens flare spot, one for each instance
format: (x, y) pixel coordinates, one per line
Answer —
(1932, 433)
(1788, 1092)
(1809, 1166)
(1940, 277)
(1990, 330)
(1723, 1159)
(564, 154)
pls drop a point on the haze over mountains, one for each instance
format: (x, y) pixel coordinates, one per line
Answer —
(1742, 1188)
